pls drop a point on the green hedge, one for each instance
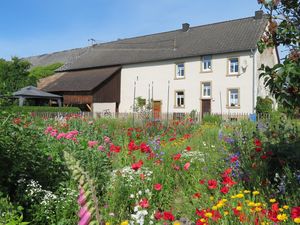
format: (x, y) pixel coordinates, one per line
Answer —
(40, 109)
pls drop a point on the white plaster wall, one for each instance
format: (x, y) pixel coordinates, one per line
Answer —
(268, 58)
(161, 72)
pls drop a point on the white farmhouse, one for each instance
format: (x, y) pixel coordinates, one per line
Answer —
(209, 68)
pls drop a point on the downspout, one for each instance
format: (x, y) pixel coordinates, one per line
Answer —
(253, 51)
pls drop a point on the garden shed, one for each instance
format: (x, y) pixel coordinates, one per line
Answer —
(39, 97)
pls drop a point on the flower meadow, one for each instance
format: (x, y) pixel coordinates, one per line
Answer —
(84, 171)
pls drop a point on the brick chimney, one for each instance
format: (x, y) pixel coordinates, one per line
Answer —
(185, 27)
(259, 14)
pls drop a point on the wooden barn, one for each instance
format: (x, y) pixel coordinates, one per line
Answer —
(96, 89)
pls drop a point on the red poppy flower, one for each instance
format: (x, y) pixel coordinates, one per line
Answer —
(258, 145)
(145, 148)
(202, 181)
(188, 148)
(295, 212)
(138, 165)
(177, 156)
(264, 157)
(187, 166)
(168, 216)
(115, 148)
(157, 187)
(158, 215)
(212, 184)
(228, 181)
(234, 158)
(224, 190)
(197, 195)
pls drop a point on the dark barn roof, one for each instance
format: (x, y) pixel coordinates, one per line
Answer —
(33, 92)
(224, 37)
(81, 80)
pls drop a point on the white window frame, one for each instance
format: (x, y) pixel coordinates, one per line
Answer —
(206, 60)
(205, 89)
(180, 71)
(233, 102)
(179, 99)
(234, 65)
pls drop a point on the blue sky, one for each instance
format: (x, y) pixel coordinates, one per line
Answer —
(33, 27)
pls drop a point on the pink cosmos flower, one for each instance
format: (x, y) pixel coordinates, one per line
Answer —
(157, 187)
(91, 144)
(187, 166)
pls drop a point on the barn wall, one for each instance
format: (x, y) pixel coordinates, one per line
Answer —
(109, 90)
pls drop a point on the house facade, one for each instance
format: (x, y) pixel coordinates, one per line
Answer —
(209, 69)
(223, 83)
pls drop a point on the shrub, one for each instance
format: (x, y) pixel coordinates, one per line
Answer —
(213, 119)
(264, 105)
(25, 109)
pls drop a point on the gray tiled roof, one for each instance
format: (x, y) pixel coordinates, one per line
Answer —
(81, 80)
(31, 91)
(67, 57)
(224, 37)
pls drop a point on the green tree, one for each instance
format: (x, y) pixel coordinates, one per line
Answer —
(14, 75)
(44, 71)
(283, 79)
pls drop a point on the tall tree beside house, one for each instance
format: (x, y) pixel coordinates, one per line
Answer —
(14, 75)
(44, 71)
(283, 79)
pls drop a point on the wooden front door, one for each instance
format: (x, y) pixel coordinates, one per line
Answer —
(156, 109)
(206, 106)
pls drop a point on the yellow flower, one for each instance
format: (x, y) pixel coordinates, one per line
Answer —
(239, 208)
(251, 204)
(272, 200)
(208, 215)
(255, 192)
(258, 204)
(282, 217)
(202, 220)
(297, 220)
(281, 209)
(239, 195)
(224, 200)
(215, 207)
(211, 198)
(107, 223)
(125, 222)
(226, 213)
(257, 209)
(286, 207)
(247, 191)
(176, 223)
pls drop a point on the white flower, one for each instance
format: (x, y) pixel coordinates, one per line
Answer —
(131, 196)
(140, 193)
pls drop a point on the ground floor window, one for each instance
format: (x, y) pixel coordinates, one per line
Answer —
(233, 97)
(206, 90)
(179, 98)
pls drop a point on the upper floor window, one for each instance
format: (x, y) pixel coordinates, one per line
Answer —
(180, 70)
(206, 63)
(234, 97)
(206, 90)
(233, 66)
(179, 99)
